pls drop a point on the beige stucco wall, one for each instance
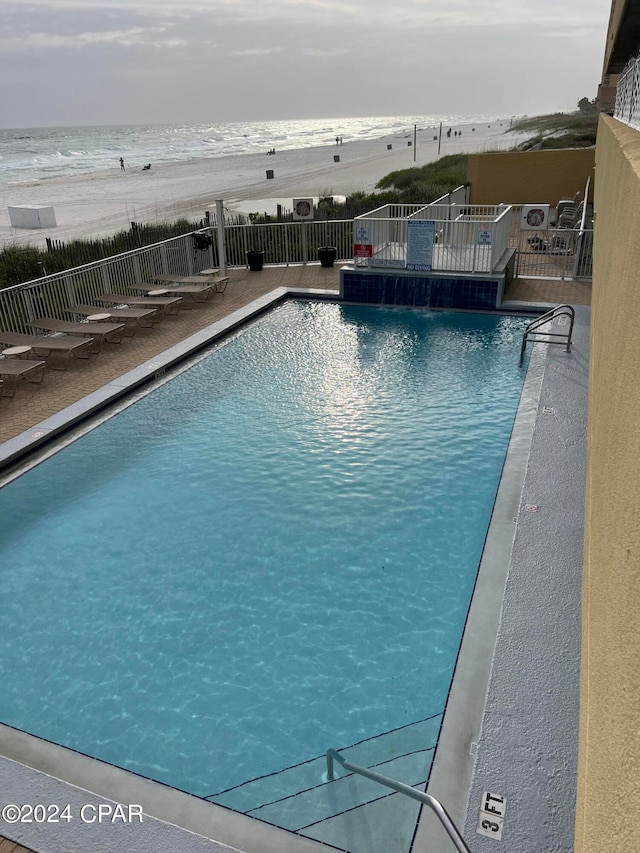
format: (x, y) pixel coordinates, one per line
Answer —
(520, 177)
(608, 805)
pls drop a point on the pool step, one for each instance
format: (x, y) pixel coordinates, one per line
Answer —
(301, 800)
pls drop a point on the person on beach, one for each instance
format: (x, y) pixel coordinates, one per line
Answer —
(122, 163)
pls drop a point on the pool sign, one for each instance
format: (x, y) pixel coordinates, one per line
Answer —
(303, 208)
(493, 808)
(484, 238)
(420, 236)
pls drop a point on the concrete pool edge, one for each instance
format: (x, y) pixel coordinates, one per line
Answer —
(528, 746)
(525, 745)
(453, 763)
(38, 771)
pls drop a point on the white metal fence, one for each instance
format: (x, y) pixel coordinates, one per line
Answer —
(287, 242)
(468, 238)
(627, 108)
(555, 253)
(282, 243)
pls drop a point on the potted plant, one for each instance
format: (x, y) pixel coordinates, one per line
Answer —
(201, 241)
(327, 255)
(255, 259)
(255, 255)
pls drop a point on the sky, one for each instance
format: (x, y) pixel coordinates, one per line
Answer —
(75, 62)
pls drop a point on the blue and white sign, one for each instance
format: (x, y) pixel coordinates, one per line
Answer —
(484, 238)
(361, 233)
(420, 235)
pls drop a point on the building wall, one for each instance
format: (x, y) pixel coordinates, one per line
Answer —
(520, 177)
(609, 758)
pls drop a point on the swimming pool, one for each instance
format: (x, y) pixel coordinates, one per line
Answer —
(271, 554)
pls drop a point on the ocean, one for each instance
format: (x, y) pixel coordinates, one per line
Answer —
(37, 153)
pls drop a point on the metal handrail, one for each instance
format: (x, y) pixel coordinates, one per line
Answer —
(534, 325)
(435, 805)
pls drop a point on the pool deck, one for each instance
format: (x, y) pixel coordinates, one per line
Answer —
(532, 719)
(34, 403)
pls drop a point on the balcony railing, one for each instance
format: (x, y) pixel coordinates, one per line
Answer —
(627, 108)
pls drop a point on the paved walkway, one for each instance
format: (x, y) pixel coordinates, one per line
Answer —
(7, 846)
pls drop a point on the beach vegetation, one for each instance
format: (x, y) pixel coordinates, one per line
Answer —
(25, 263)
(424, 184)
(559, 130)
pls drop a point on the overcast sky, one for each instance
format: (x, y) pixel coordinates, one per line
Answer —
(139, 61)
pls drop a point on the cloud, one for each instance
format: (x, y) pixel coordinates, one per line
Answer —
(78, 41)
(292, 57)
(257, 51)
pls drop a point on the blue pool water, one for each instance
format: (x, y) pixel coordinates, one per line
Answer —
(271, 554)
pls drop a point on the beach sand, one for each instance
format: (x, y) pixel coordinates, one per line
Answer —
(102, 203)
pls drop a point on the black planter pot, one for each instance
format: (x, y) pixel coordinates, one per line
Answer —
(255, 260)
(327, 255)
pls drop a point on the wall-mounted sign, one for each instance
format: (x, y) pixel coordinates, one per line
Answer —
(534, 217)
(303, 208)
(420, 235)
(361, 233)
(493, 808)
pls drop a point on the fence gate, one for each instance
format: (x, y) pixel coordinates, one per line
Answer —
(548, 254)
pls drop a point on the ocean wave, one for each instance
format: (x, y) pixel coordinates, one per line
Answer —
(66, 151)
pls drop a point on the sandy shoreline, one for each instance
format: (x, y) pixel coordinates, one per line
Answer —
(102, 203)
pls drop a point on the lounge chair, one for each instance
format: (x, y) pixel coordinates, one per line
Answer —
(11, 369)
(219, 282)
(132, 317)
(196, 292)
(168, 305)
(98, 332)
(51, 347)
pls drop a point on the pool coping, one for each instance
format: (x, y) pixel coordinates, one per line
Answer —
(36, 758)
(511, 723)
(527, 751)
(453, 763)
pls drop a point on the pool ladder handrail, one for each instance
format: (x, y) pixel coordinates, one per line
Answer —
(534, 326)
(435, 805)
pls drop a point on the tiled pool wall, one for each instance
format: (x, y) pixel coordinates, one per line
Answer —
(422, 290)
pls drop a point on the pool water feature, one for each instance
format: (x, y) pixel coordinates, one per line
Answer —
(271, 554)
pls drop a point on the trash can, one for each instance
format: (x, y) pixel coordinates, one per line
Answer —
(255, 260)
(269, 173)
(336, 158)
(327, 255)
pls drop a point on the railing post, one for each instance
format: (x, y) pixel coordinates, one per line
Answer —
(222, 258)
